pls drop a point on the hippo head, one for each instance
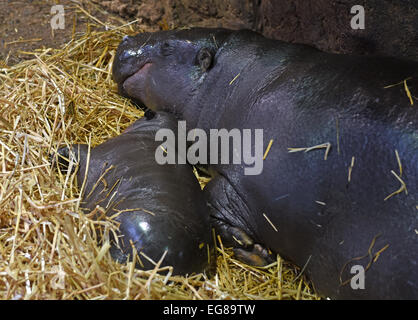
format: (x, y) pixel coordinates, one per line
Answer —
(162, 70)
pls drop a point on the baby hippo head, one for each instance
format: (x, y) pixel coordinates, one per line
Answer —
(163, 69)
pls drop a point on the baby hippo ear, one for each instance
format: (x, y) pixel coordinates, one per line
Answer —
(204, 58)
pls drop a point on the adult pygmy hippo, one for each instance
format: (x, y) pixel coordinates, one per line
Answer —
(159, 207)
(336, 216)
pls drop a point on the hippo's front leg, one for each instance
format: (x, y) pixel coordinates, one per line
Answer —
(228, 214)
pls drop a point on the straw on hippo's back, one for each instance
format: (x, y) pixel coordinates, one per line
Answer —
(325, 213)
(161, 207)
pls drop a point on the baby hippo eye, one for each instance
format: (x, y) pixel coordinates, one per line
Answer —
(204, 58)
(166, 48)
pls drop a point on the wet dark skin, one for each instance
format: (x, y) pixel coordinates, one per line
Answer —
(161, 207)
(329, 214)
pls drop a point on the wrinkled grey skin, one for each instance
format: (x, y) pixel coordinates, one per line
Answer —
(301, 97)
(179, 220)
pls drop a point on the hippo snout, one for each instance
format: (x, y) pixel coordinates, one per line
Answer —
(130, 56)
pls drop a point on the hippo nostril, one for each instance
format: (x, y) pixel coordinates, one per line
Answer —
(125, 55)
(129, 53)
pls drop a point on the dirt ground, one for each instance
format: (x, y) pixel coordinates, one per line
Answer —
(232, 14)
(26, 25)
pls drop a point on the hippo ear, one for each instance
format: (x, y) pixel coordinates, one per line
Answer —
(204, 58)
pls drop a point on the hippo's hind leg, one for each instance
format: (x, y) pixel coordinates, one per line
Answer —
(66, 155)
(228, 213)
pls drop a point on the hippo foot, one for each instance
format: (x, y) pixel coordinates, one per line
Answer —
(244, 248)
(257, 257)
(226, 208)
(61, 160)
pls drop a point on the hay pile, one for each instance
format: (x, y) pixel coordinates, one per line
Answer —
(48, 247)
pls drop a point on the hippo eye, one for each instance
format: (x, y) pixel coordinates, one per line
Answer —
(204, 58)
(166, 48)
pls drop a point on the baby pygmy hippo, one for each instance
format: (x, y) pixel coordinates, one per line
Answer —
(159, 207)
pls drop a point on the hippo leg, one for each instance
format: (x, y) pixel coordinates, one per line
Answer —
(228, 213)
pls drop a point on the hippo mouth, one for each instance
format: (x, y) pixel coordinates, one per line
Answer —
(133, 84)
(143, 67)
